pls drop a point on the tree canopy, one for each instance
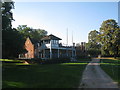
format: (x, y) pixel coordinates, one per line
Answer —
(30, 32)
(12, 41)
(110, 37)
(107, 39)
(7, 15)
(93, 46)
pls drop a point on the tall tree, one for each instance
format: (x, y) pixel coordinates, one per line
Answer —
(93, 46)
(93, 39)
(6, 26)
(12, 40)
(109, 37)
(7, 15)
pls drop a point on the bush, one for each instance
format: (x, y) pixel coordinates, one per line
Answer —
(94, 52)
(57, 60)
(47, 61)
(83, 56)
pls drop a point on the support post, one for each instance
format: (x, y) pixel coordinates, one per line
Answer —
(75, 53)
(66, 52)
(72, 52)
(58, 53)
(50, 49)
(44, 53)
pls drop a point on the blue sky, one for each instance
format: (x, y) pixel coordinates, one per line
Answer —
(55, 17)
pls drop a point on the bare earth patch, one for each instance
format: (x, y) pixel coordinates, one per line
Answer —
(95, 77)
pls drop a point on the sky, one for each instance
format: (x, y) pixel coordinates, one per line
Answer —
(79, 18)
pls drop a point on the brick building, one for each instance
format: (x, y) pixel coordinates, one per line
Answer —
(31, 45)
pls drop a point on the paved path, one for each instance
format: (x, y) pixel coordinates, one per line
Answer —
(95, 77)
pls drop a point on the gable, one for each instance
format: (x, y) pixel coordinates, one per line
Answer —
(28, 43)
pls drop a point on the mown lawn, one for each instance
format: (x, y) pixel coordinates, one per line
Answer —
(64, 75)
(112, 68)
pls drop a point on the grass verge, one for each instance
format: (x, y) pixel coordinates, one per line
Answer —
(65, 75)
(112, 68)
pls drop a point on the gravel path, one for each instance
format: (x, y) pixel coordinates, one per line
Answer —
(95, 77)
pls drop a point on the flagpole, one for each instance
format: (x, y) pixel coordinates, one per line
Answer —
(67, 37)
(72, 37)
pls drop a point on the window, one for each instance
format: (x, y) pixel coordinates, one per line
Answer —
(56, 41)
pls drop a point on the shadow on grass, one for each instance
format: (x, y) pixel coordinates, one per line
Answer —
(66, 75)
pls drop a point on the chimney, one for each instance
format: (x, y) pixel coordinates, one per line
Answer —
(73, 44)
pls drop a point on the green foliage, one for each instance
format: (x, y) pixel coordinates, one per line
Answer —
(93, 46)
(7, 16)
(109, 37)
(23, 29)
(106, 40)
(12, 41)
(92, 37)
(30, 32)
(94, 52)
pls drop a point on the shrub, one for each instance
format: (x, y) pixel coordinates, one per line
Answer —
(57, 60)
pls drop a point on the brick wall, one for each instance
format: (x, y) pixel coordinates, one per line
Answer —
(30, 48)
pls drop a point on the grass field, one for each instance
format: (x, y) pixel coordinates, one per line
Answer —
(112, 68)
(63, 75)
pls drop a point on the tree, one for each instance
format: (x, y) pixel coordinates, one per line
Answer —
(12, 41)
(30, 32)
(93, 46)
(7, 15)
(109, 37)
(26, 31)
(6, 26)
